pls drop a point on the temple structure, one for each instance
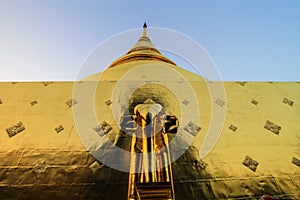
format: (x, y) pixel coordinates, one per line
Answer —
(44, 156)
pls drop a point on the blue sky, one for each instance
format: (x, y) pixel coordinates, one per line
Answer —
(248, 40)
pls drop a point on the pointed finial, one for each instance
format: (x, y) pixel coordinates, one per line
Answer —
(144, 34)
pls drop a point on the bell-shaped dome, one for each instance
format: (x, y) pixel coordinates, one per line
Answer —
(142, 50)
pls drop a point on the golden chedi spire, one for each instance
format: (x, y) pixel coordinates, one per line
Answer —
(142, 50)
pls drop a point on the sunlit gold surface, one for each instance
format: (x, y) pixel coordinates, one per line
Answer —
(70, 168)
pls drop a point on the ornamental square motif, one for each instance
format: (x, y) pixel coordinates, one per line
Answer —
(250, 163)
(59, 129)
(15, 129)
(288, 101)
(103, 128)
(296, 161)
(232, 127)
(192, 128)
(220, 102)
(71, 103)
(272, 127)
(254, 102)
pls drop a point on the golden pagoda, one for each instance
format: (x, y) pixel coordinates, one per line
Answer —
(143, 104)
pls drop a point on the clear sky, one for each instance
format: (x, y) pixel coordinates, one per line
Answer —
(248, 40)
